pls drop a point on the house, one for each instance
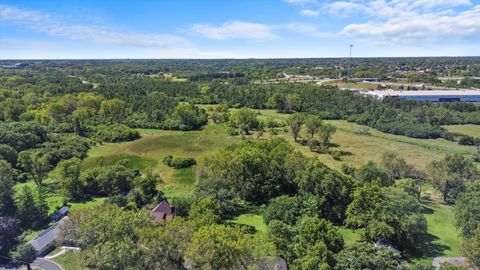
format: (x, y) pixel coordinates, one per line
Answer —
(163, 211)
(59, 214)
(47, 239)
(455, 261)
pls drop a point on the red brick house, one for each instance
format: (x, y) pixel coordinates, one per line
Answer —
(163, 211)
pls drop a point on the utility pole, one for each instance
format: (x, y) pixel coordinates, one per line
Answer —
(349, 74)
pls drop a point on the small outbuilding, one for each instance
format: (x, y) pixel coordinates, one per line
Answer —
(163, 211)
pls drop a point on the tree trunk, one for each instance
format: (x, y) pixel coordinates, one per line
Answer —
(29, 267)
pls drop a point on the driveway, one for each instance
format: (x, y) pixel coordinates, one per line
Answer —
(46, 264)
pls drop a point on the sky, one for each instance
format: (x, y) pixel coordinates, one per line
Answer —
(101, 29)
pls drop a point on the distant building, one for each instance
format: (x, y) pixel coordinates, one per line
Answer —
(455, 261)
(47, 239)
(163, 211)
(429, 95)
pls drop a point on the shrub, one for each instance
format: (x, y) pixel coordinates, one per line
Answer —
(114, 133)
(466, 140)
(181, 162)
(167, 160)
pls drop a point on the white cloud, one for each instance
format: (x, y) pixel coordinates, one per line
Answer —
(248, 30)
(234, 30)
(420, 27)
(45, 23)
(299, 2)
(309, 13)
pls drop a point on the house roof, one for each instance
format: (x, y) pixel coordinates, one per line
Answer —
(162, 211)
(47, 237)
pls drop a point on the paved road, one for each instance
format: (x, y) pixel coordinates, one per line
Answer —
(46, 264)
(38, 263)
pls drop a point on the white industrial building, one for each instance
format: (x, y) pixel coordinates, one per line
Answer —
(429, 95)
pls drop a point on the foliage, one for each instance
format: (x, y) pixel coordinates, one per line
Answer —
(25, 254)
(259, 170)
(32, 209)
(450, 175)
(471, 247)
(370, 172)
(7, 180)
(364, 255)
(9, 232)
(283, 208)
(467, 209)
(324, 192)
(387, 214)
(225, 247)
(295, 122)
(114, 133)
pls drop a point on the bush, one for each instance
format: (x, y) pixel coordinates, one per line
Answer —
(466, 140)
(178, 162)
(114, 133)
(181, 162)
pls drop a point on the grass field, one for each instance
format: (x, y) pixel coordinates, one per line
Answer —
(470, 130)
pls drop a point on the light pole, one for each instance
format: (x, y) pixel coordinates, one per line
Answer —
(349, 68)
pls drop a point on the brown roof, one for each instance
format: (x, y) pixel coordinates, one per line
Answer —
(162, 211)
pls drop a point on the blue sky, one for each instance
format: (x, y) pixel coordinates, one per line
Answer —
(54, 29)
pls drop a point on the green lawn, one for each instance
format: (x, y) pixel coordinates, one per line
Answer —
(470, 130)
(70, 261)
(254, 220)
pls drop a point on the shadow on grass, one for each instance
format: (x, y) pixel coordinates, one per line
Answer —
(428, 249)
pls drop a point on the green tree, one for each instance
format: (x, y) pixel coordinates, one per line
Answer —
(295, 122)
(8, 153)
(313, 124)
(9, 233)
(225, 247)
(325, 133)
(471, 247)
(204, 212)
(364, 255)
(69, 175)
(113, 109)
(450, 175)
(281, 235)
(315, 243)
(25, 254)
(370, 172)
(7, 181)
(324, 192)
(283, 208)
(245, 119)
(36, 164)
(32, 210)
(467, 209)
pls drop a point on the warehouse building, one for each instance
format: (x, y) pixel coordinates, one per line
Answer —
(429, 95)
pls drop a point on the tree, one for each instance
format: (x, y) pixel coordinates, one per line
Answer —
(113, 109)
(281, 235)
(190, 116)
(36, 164)
(257, 171)
(471, 247)
(8, 153)
(370, 172)
(296, 121)
(315, 243)
(282, 208)
(69, 174)
(245, 119)
(324, 192)
(467, 209)
(204, 212)
(325, 133)
(25, 254)
(9, 233)
(364, 255)
(387, 214)
(313, 124)
(225, 247)
(7, 181)
(450, 174)
(410, 186)
(32, 210)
